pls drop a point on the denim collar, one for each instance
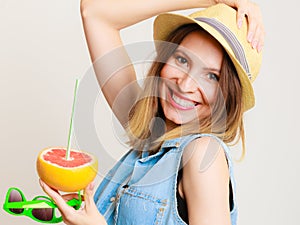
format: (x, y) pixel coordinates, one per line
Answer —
(174, 143)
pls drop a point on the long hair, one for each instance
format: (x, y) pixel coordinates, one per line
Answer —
(146, 119)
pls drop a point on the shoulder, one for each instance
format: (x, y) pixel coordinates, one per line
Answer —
(204, 152)
(205, 180)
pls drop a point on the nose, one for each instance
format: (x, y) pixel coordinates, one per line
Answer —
(186, 83)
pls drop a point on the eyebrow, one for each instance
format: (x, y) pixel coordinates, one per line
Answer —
(215, 70)
(212, 69)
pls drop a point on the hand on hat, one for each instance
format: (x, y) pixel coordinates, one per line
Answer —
(256, 31)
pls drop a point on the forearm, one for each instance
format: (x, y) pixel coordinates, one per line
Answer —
(123, 13)
(111, 63)
(113, 15)
(112, 66)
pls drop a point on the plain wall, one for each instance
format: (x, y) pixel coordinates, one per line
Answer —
(43, 51)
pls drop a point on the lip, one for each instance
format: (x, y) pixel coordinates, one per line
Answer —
(175, 105)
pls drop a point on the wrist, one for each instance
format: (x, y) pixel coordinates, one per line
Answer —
(231, 3)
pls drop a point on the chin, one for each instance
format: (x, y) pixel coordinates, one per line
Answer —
(178, 118)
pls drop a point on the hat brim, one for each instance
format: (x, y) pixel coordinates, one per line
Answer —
(165, 23)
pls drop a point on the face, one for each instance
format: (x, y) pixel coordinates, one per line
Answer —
(190, 79)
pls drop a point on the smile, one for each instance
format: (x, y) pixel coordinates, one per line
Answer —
(181, 102)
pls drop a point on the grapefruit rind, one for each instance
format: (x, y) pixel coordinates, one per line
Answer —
(66, 179)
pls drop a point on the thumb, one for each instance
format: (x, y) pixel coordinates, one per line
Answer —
(88, 195)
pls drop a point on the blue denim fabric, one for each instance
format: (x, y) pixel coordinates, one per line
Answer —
(142, 190)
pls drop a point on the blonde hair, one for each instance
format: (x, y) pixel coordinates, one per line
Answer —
(226, 120)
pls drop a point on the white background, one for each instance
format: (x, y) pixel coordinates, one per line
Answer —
(43, 51)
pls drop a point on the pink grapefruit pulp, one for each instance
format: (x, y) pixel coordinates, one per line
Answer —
(65, 175)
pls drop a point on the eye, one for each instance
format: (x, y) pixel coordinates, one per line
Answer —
(180, 59)
(213, 76)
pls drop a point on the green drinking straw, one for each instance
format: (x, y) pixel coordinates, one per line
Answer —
(71, 122)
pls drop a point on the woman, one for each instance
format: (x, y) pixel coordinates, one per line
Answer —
(179, 170)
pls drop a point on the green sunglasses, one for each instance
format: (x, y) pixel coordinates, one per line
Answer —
(41, 208)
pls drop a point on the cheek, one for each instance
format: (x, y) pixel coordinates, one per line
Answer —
(168, 72)
(164, 72)
(212, 96)
(209, 92)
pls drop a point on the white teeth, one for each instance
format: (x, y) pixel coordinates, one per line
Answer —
(182, 102)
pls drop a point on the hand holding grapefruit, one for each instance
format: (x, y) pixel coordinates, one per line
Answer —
(68, 175)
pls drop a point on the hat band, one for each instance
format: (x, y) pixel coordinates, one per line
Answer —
(231, 40)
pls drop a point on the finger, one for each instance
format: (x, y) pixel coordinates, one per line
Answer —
(88, 195)
(57, 198)
(240, 17)
(258, 39)
(90, 206)
(43, 184)
(260, 45)
(260, 35)
(252, 24)
(70, 196)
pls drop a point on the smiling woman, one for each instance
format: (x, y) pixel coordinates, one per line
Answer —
(195, 86)
(191, 105)
(194, 75)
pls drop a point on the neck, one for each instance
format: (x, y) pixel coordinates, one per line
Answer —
(170, 125)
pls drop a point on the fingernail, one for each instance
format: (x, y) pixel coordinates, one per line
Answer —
(249, 38)
(240, 22)
(41, 183)
(92, 185)
(254, 44)
(259, 48)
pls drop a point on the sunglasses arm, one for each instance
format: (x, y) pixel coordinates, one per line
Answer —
(35, 204)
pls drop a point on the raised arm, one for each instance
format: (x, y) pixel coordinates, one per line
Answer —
(102, 22)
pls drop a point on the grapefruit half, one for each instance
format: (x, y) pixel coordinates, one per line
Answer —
(66, 175)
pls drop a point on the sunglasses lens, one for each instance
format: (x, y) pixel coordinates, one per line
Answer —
(45, 214)
(15, 196)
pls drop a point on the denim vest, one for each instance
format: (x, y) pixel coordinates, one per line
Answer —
(141, 190)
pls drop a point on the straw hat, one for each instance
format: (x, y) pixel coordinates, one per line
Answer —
(220, 21)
